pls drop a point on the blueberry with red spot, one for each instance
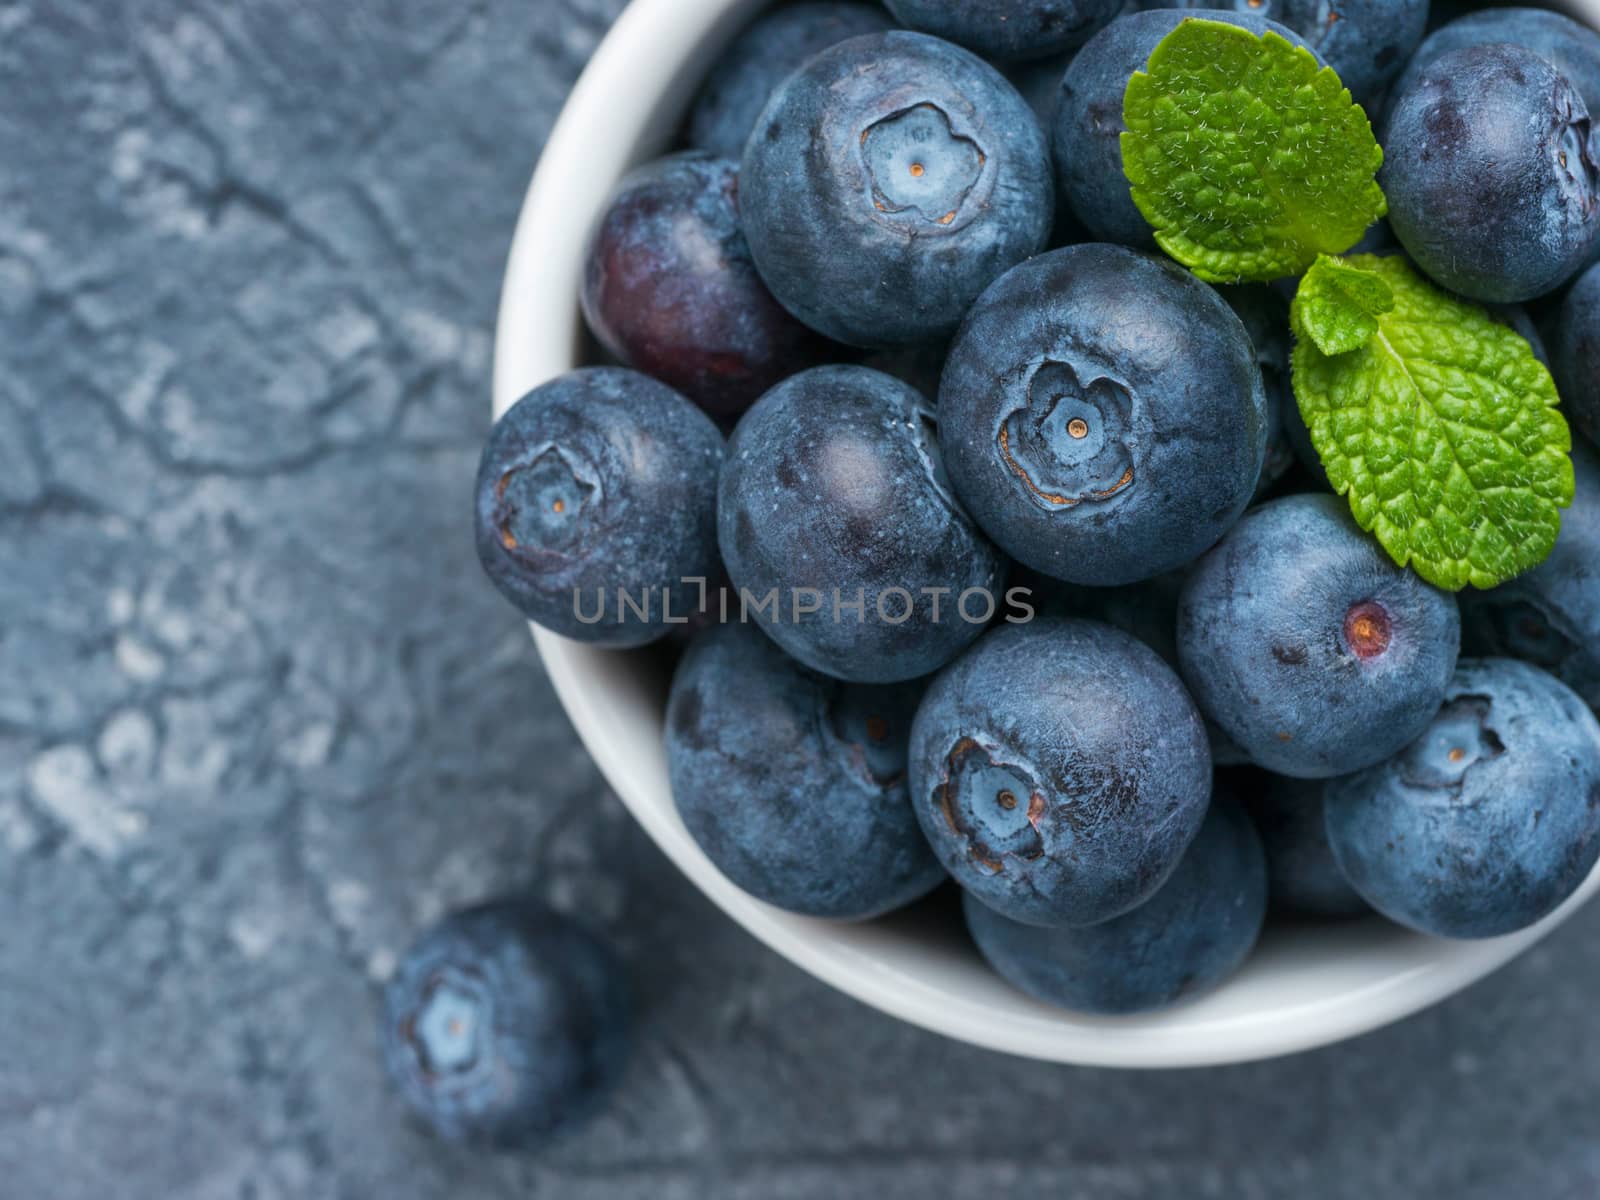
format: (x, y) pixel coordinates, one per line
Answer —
(596, 506)
(1489, 820)
(1009, 30)
(773, 47)
(1492, 172)
(888, 182)
(839, 528)
(1059, 770)
(794, 784)
(670, 289)
(1310, 648)
(1187, 938)
(506, 1024)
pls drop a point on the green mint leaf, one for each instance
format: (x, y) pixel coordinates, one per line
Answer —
(1247, 157)
(1441, 428)
(1338, 305)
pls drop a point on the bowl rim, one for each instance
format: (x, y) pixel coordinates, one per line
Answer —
(624, 105)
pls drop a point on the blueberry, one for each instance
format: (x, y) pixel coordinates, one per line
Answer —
(794, 784)
(1059, 770)
(1550, 617)
(505, 1024)
(1572, 48)
(669, 288)
(1190, 936)
(1367, 42)
(1576, 354)
(1009, 30)
(773, 47)
(888, 182)
(1266, 319)
(1493, 174)
(1305, 881)
(1303, 640)
(834, 504)
(1088, 126)
(1102, 415)
(596, 506)
(1489, 820)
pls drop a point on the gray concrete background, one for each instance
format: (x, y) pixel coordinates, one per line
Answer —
(261, 720)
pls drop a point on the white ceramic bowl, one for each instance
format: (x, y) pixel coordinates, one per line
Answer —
(1304, 987)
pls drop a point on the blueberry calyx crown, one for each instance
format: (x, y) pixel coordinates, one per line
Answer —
(539, 502)
(870, 733)
(1578, 158)
(1071, 443)
(919, 164)
(446, 1032)
(994, 806)
(1460, 738)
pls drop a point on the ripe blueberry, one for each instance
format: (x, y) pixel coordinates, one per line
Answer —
(794, 784)
(1059, 770)
(1366, 42)
(1493, 174)
(1008, 30)
(505, 1024)
(1192, 934)
(1305, 881)
(1570, 47)
(888, 182)
(1266, 319)
(598, 483)
(1550, 616)
(1489, 820)
(1102, 415)
(1088, 126)
(838, 526)
(1576, 354)
(1302, 639)
(669, 288)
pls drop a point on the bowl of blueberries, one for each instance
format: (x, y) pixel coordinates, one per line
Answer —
(1077, 522)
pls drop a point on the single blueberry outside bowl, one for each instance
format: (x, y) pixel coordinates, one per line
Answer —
(1305, 986)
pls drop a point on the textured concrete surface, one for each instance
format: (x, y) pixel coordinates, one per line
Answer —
(260, 719)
